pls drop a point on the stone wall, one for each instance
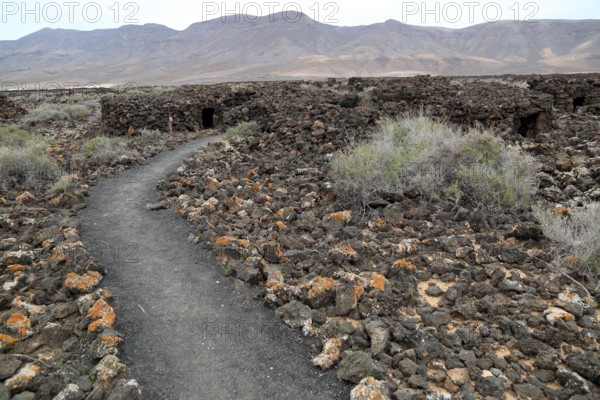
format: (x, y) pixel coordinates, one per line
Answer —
(505, 104)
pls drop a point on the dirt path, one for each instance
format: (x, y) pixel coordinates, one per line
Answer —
(188, 333)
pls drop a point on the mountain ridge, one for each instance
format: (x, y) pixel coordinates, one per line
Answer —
(273, 48)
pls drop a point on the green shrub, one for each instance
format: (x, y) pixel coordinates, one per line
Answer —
(61, 186)
(103, 148)
(437, 161)
(23, 156)
(242, 130)
(576, 236)
(57, 112)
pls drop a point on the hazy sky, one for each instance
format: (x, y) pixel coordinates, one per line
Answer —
(22, 17)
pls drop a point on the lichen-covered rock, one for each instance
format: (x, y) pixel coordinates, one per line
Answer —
(23, 378)
(109, 368)
(83, 283)
(71, 392)
(370, 389)
(330, 355)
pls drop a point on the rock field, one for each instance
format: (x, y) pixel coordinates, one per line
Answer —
(405, 299)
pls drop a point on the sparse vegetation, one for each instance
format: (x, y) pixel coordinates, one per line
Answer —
(56, 112)
(61, 186)
(576, 237)
(242, 130)
(104, 148)
(436, 161)
(23, 156)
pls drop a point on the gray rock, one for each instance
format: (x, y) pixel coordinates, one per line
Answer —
(24, 396)
(356, 365)
(531, 346)
(417, 382)
(63, 310)
(437, 318)
(394, 213)
(508, 285)
(85, 383)
(407, 394)
(126, 389)
(528, 392)
(71, 392)
(4, 393)
(490, 386)
(379, 333)
(344, 299)
(511, 255)
(407, 367)
(586, 365)
(54, 335)
(248, 273)
(294, 314)
(547, 360)
(434, 291)
(574, 308)
(98, 393)
(573, 381)
(544, 375)
(8, 366)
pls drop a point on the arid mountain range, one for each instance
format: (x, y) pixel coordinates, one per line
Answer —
(274, 48)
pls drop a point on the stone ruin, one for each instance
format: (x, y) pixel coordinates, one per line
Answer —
(524, 106)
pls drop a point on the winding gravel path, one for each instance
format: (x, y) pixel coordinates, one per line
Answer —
(189, 334)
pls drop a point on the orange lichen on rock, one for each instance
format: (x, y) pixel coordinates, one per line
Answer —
(19, 323)
(6, 339)
(111, 339)
(370, 389)
(358, 291)
(257, 187)
(275, 280)
(68, 232)
(343, 252)
(23, 377)
(280, 225)
(508, 242)
(212, 183)
(57, 255)
(330, 354)
(404, 264)
(84, 282)
(103, 313)
(244, 243)
(22, 198)
(342, 216)
(108, 368)
(15, 268)
(223, 240)
(553, 314)
(378, 281)
(319, 285)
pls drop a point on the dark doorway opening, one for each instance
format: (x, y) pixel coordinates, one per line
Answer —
(208, 115)
(528, 125)
(578, 102)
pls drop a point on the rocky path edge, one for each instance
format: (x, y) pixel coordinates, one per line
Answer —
(189, 333)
